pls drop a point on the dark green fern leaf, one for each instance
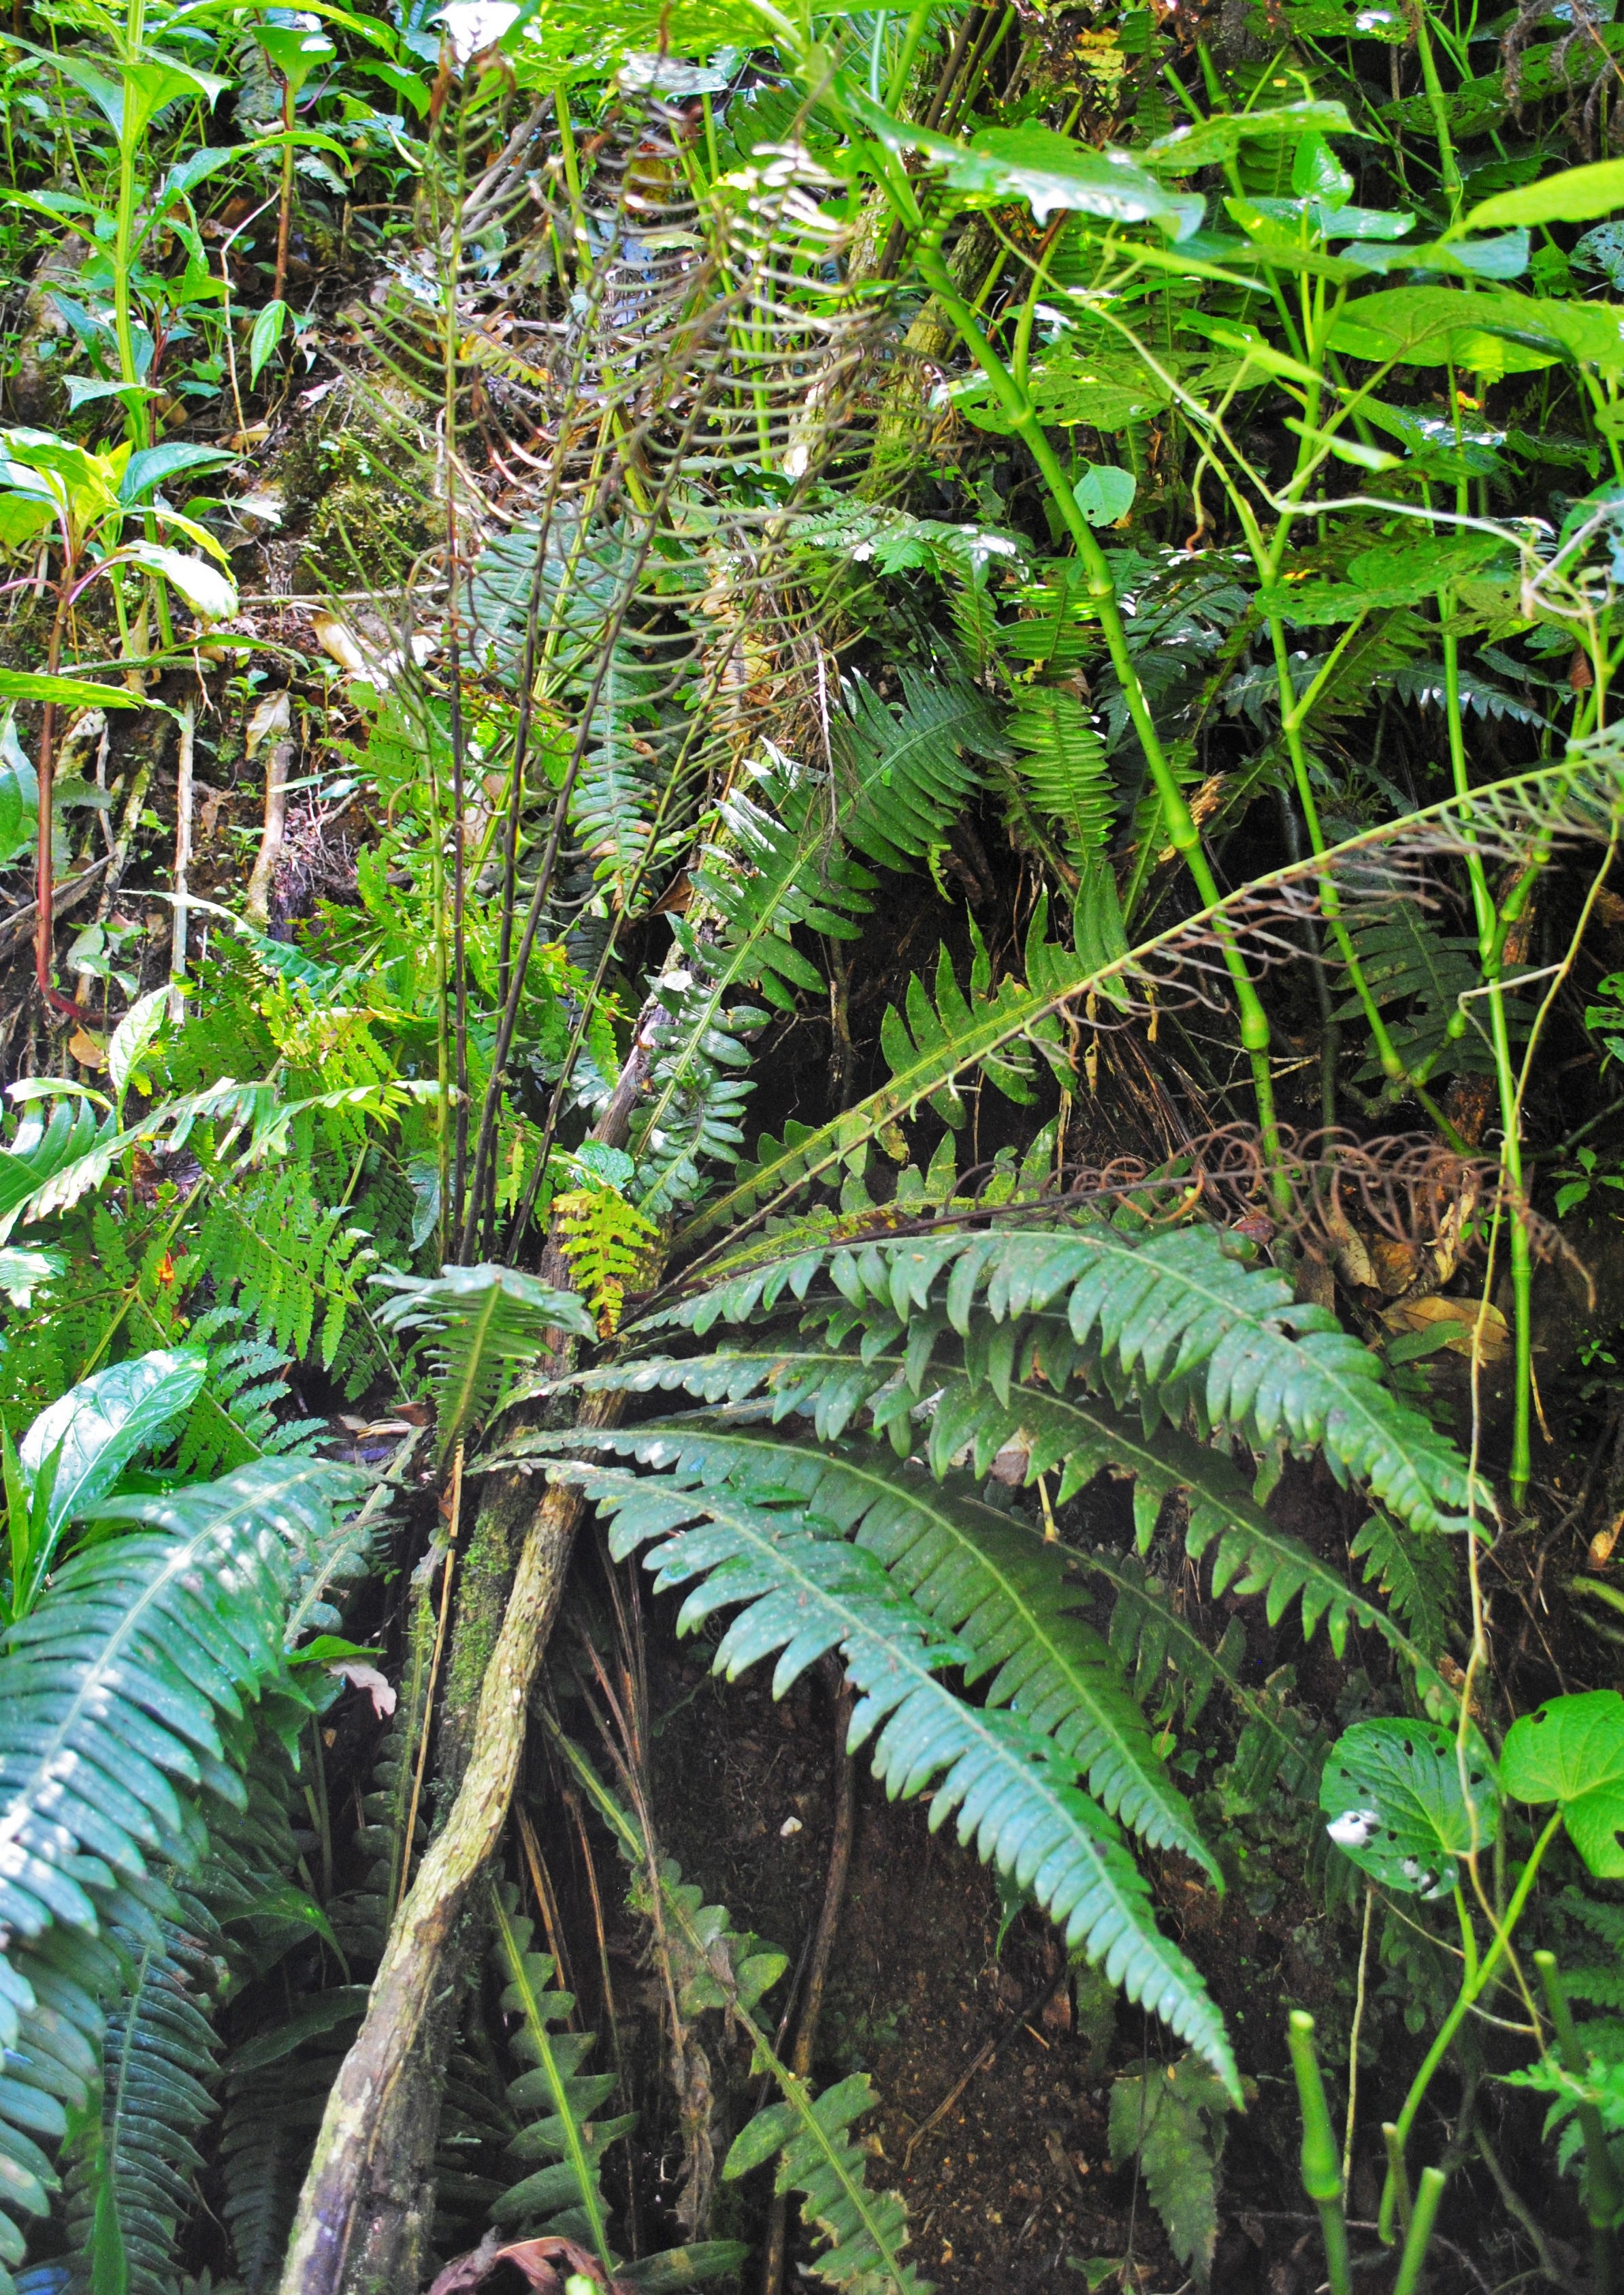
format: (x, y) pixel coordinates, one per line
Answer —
(556, 2103)
(130, 2180)
(1061, 761)
(979, 1575)
(806, 1593)
(912, 769)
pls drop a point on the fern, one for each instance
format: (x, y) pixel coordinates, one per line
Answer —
(1176, 1320)
(1416, 1576)
(979, 1576)
(715, 1967)
(233, 1420)
(130, 2180)
(1277, 1744)
(480, 1321)
(1406, 961)
(937, 1041)
(299, 1271)
(115, 1694)
(609, 1246)
(1062, 764)
(911, 769)
(565, 2198)
(808, 1592)
(1169, 2118)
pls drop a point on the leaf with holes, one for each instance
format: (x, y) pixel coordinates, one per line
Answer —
(1400, 1807)
(1571, 1752)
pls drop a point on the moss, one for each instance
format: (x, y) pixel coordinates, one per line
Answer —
(485, 1572)
(364, 525)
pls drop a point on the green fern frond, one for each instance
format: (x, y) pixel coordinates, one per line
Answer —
(807, 1593)
(120, 1695)
(1279, 1744)
(556, 2103)
(481, 1321)
(1175, 1320)
(299, 1271)
(609, 1245)
(1169, 2118)
(979, 1576)
(130, 2180)
(817, 2157)
(912, 769)
(1417, 1575)
(927, 1047)
(1062, 762)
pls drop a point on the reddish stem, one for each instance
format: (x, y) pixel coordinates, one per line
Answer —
(42, 950)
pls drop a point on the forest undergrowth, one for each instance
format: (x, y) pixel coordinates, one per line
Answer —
(812, 998)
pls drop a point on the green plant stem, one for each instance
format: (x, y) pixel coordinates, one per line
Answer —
(1322, 2178)
(1414, 2258)
(1183, 831)
(1473, 1985)
(1490, 937)
(1602, 2194)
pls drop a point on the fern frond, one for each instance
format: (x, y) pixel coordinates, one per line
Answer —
(481, 1321)
(609, 1245)
(1417, 1575)
(979, 1576)
(299, 1271)
(913, 768)
(117, 1693)
(130, 2180)
(565, 2198)
(1175, 1318)
(1171, 2118)
(807, 1593)
(1062, 762)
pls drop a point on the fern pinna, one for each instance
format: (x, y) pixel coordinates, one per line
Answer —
(1074, 1349)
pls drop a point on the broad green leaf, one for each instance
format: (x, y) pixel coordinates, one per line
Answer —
(1105, 493)
(19, 794)
(1105, 389)
(213, 595)
(1575, 195)
(1399, 1808)
(1495, 332)
(1053, 174)
(1571, 1752)
(98, 1425)
(22, 517)
(67, 692)
(153, 464)
(267, 333)
(1209, 141)
(133, 1036)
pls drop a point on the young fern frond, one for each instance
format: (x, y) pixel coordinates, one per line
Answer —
(715, 1967)
(806, 1593)
(1061, 760)
(610, 1246)
(481, 1321)
(556, 2103)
